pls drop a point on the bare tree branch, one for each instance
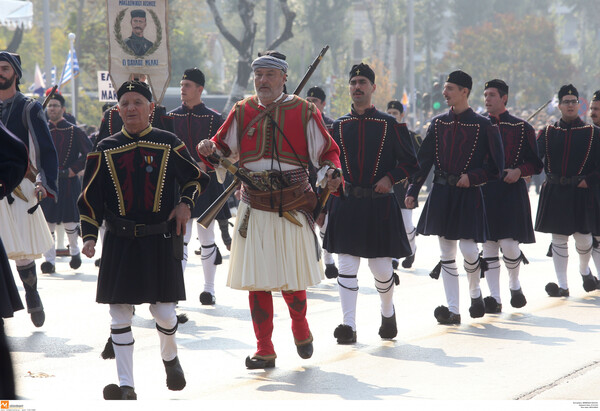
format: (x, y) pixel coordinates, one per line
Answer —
(286, 34)
(219, 22)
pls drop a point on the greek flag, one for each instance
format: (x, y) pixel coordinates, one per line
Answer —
(70, 65)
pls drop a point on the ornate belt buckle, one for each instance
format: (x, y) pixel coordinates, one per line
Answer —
(139, 230)
(563, 180)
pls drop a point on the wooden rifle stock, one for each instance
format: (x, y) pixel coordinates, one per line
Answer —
(211, 212)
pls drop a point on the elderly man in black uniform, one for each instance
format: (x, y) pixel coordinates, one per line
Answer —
(72, 146)
(112, 123)
(137, 42)
(194, 122)
(507, 200)
(568, 205)
(396, 109)
(13, 166)
(466, 150)
(376, 153)
(130, 182)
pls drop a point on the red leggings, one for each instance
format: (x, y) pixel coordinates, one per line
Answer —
(261, 308)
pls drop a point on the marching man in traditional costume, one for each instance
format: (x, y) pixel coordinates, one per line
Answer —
(466, 150)
(376, 153)
(72, 146)
(23, 228)
(130, 182)
(568, 205)
(507, 200)
(274, 135)
(193, 122)
(14, 163)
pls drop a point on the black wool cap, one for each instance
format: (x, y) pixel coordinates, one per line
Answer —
(596, 96)
(135, 86)
(364, 70)
(497, 83)
(567, 90)
(396, 104)
(195, 75)
(58, 97)
(138, 13)
(316, 92)
(460, 78)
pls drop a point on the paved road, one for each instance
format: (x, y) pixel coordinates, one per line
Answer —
(548, 350)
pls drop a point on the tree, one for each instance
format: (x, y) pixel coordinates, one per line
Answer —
(245, 45)
(523, 52)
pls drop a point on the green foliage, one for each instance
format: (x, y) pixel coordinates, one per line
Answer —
(521, 51)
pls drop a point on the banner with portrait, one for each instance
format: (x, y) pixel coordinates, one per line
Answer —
(138, 43)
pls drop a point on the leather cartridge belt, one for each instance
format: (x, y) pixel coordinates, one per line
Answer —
(363, 192)
(294, 197)
(123, 227)
(564, 181)
(441, 177)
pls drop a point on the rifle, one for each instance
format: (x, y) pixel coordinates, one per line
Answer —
(536, 112)
(211, 212)
(311, 70)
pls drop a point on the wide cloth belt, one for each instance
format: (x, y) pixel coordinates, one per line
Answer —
(123, 227)
(441, 177)
(294, 197)
(363, 192)
(564, 181)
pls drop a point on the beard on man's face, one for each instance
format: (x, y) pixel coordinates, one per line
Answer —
(5, 83)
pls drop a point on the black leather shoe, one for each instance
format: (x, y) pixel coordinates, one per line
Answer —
(446, 317)
(492, 306)
(75, 262)
(207, 298)
(175, 376)
(114, 392)
(477, 308)
(554, 290)
(344, 334)
(257, 362)
(331, 271)
(517, 299)
(408, 261)
(305, 351)
(305, 348)
(388, 329)
(590, 283)
(48, 268)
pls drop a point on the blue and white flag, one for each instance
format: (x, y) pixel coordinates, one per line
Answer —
(39, 86)
(70, 70)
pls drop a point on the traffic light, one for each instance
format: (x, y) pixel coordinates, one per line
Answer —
(437, 99)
